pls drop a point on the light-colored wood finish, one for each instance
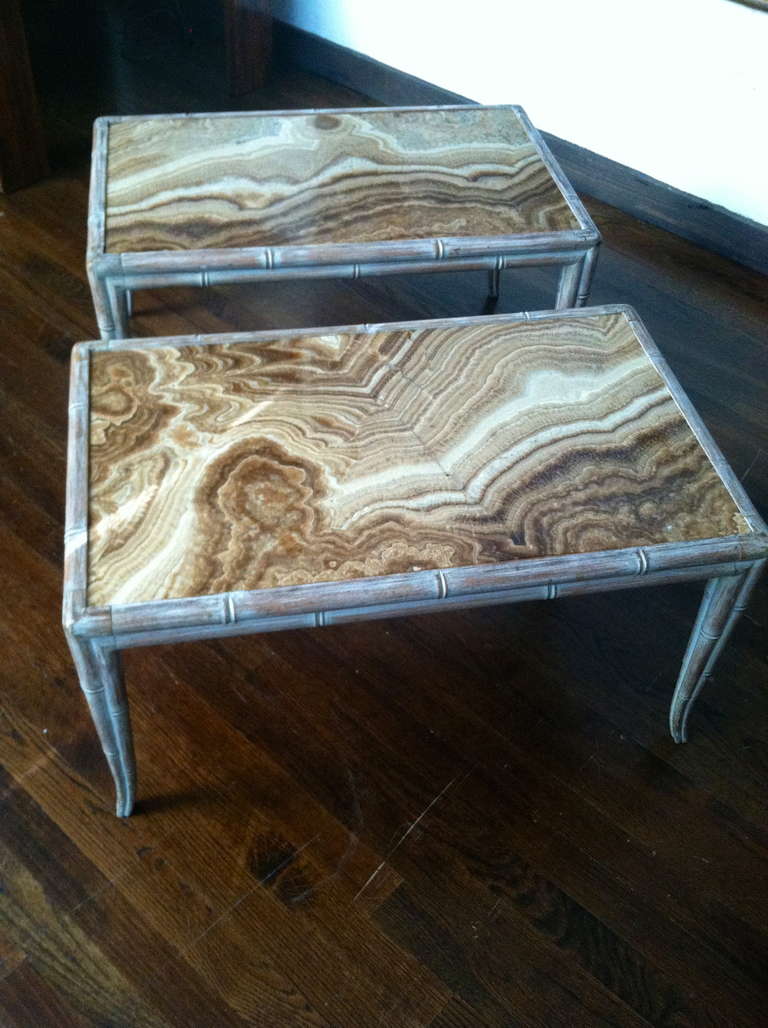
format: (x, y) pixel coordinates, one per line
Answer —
(255, 482)
(98, 668)
(197, 199)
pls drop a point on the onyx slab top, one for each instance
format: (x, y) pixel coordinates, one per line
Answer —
(257, 461)
(298, 178)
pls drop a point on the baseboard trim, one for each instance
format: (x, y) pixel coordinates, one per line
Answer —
(697, 220)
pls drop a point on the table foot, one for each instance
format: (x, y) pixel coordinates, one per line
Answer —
(724, 600)
(100, 674)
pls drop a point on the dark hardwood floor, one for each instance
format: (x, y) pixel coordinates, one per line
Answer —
(458, 820)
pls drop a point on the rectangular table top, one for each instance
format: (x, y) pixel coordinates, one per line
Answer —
(294, 178)
(286, 458)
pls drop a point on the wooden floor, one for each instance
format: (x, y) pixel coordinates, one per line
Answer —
(458, 820)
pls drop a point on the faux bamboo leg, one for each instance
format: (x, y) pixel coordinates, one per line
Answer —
(119, 307)
(587, 271)
(99, 671)
(102, 307)
(724, 600)
(568, 286)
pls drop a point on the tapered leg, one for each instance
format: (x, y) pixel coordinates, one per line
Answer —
(724, 600)
(568, 286)
(99, 671)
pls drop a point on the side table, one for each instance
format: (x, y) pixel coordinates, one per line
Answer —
(201, 199)
(225, 485)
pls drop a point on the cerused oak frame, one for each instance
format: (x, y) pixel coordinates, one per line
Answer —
(730, 565)
(114, 276)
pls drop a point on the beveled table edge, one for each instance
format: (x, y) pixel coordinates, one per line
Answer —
(103, 262)
(321, 603)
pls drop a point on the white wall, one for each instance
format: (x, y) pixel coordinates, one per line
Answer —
(677, 89)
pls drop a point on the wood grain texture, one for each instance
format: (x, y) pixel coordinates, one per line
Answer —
(318, 458)
(209, 182)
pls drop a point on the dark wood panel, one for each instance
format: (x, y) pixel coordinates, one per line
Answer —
(248, 32)
(23, 157)
(476, 818)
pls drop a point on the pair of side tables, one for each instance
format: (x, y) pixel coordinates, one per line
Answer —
(241, 483)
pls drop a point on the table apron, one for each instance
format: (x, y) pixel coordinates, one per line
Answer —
(317, 619)
(219, 276)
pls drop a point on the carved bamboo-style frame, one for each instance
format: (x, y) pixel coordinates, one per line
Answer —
(115, 276)
(730, 565)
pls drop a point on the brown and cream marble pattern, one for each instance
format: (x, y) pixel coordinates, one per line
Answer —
(241, 466)
(296, 179)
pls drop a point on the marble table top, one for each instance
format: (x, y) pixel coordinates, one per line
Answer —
(328, 456)
(365, 176)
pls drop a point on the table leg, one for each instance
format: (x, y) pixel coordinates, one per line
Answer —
(494, 282)
(100, 674)
(587, 271)
(102, 307)
(568, 286)
(118, 305)
(724, 600)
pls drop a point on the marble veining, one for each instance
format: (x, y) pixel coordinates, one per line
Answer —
(316, 458)
(298, 179)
